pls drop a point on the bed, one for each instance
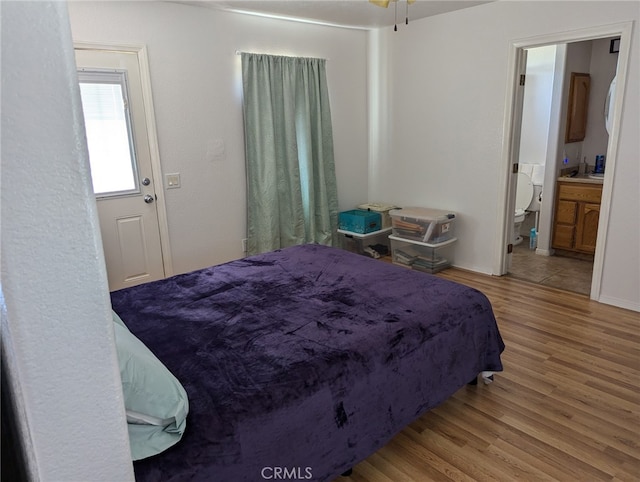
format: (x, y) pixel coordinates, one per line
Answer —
(302, 362)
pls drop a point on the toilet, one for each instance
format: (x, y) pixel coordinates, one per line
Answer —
(524, 198)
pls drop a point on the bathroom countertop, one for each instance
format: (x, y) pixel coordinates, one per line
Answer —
(583, 178)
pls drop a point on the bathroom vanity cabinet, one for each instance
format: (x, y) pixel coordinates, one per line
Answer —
(577, 211)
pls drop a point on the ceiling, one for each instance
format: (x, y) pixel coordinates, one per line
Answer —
(345, 13)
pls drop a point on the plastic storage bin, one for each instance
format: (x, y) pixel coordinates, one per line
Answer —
(430, 258)
(359, 221)
(421, 224)
(381, 208)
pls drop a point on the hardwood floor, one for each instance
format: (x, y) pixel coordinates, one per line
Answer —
(566, 407)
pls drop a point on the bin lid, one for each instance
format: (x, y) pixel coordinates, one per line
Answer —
(382, 207)
(423, 213)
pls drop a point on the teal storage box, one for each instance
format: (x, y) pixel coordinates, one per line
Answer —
(360, 221)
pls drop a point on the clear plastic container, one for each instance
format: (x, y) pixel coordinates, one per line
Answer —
(421, 224)
(430, 258)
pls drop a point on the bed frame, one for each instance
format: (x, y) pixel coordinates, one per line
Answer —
(302, 362)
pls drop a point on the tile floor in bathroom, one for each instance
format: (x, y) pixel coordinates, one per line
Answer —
(556, 271)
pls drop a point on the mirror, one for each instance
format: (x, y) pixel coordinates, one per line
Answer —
(608, 106)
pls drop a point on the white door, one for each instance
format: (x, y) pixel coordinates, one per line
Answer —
(120, 158)
(516, 127)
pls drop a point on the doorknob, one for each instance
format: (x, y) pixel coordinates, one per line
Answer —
(146, 181)
(148, 198)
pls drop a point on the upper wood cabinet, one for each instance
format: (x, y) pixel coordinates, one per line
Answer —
(578, 107)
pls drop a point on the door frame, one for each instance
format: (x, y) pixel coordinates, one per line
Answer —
(506, 192)
(154, 151)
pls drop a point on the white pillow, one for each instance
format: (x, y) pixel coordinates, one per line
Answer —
(155, 401)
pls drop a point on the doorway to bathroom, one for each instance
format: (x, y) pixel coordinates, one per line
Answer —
(545, 95)
(541, 155)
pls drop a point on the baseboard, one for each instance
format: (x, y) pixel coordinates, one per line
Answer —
(626, 304)
(574, 254)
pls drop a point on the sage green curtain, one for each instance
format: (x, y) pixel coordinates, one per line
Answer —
(291, 181)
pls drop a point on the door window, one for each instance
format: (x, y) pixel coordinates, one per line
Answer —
(109, 134)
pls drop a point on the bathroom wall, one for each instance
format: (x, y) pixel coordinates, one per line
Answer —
(590, 57)
(536, 107)
(536, 118)
(602, 70)
(578, 60)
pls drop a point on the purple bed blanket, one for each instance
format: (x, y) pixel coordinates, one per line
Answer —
(304, 361)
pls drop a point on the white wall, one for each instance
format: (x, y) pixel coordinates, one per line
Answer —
(578, 60)
(554, 155)
(602, 69)
(57, 332)
(446, 108)
(536, 119)
(448, 100)
(196, 83)
(536, 108)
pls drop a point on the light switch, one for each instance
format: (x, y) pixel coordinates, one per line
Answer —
(173, 181)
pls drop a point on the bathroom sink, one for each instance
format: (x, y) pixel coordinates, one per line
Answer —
(596, 176)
